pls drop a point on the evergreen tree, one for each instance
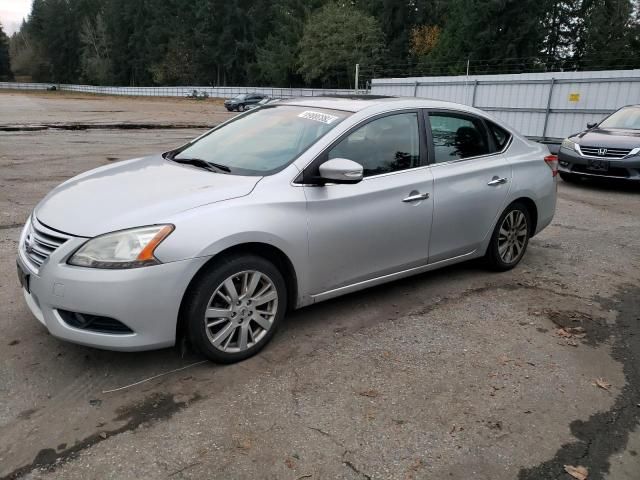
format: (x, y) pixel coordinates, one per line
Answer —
(5, 61)
(492, 32)
(562, 24)
(605, 38)
(277, 56)
(298, 42)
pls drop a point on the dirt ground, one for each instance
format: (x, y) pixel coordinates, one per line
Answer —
(458, 373)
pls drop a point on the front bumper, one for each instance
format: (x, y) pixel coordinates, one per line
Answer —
(147, 300)
(570, 161)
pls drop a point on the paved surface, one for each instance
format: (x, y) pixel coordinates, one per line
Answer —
(458, 373)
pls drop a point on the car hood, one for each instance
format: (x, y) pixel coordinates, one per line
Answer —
(134, 193)
(610, 138)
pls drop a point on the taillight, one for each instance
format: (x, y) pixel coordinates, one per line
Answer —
(552, 162)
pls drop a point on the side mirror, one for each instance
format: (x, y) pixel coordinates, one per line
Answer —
(591, 125)
(341, 170)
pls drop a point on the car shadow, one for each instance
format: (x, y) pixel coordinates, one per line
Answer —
(343, 314)
(605, 184)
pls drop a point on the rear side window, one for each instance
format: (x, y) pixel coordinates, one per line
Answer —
(457, 136)
(500, 136)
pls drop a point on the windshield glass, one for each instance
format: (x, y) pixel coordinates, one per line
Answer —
(242, 96)
(625, 118)
(265, 140)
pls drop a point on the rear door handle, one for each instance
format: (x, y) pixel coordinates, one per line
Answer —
(414, 197)
(495, 181)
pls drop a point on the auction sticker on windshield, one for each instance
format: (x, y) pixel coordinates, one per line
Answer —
(318, 116)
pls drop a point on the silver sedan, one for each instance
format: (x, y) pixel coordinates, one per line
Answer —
(283, 206)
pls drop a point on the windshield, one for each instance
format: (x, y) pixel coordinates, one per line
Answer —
(265, 140)
(625, 118)
(242, 96)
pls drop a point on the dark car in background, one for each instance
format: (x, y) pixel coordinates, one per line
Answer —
(243, 102)
(609, 149)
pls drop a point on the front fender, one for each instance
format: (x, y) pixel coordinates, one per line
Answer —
(257, 218)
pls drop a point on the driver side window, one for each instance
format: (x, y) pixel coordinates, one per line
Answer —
(388, 144)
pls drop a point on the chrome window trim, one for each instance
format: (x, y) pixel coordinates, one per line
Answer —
(361, 123)
(458, 160)
(484, 120)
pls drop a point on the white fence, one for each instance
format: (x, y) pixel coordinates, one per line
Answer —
(219, 92)
(546, 106)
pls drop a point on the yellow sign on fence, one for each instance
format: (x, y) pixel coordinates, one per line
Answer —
(574, 97)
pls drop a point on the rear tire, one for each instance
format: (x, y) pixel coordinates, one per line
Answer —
(235, 308)
(510, 238)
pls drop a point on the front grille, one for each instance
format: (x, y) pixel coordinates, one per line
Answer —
(94, 323)
(41, 241)
(607, 152)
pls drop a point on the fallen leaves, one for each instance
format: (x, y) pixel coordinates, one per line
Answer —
(570, 334)
(243, 444)
(602, 383)
(579, 472)
(371, 393)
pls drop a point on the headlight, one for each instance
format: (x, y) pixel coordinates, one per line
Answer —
(569, 144)
(124, 249)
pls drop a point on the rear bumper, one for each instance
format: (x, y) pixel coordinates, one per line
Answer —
(572, 162)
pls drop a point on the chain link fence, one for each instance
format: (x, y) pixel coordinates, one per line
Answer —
(184, 91)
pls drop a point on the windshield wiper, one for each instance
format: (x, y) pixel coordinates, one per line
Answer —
(198, 162)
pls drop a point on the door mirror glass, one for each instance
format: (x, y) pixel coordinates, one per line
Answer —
(341, 170)
(591, 125)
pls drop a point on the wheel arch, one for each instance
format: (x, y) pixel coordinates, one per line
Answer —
(532, 209)
(264, 250)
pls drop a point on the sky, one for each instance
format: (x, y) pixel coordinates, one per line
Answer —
(12, 12)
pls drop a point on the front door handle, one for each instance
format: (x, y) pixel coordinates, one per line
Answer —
(495, 181)
(414, 197)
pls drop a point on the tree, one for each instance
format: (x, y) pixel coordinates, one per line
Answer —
(5, 61)
(277, 56)
(561, 23)
(493, 32)
(96, 57)
(335, 38)
(399, 18)
(606, 35)
(424, 39)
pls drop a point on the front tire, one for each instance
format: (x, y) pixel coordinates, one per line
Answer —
(241, 108)
(510, 238)
(235, 308)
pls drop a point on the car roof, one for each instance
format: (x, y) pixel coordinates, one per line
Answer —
(358, 103)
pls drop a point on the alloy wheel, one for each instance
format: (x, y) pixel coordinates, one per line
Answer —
(241, 311)
(512, 236)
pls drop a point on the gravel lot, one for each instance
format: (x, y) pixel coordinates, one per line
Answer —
(459, 373)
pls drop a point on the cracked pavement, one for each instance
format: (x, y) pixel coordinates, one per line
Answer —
(459, 373)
